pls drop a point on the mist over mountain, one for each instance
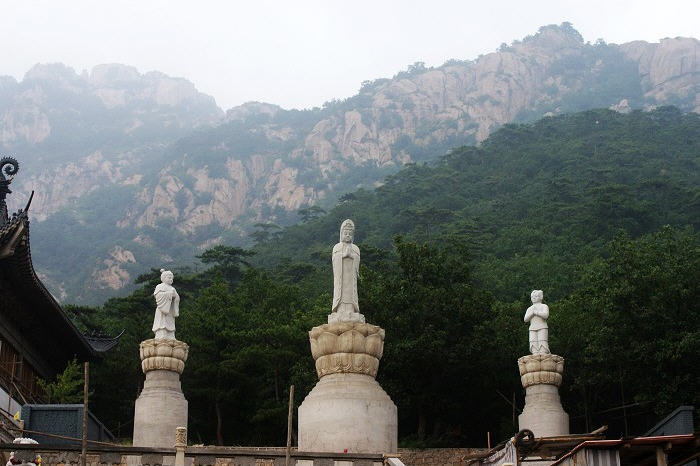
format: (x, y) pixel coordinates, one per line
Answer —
(133, 170)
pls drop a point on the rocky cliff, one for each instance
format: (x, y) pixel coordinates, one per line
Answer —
(76, 133)
(137, 157)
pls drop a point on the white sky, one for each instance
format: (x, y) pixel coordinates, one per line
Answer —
(299, 53)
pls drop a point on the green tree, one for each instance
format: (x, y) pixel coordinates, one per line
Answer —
(263, 232)
(68, 386)
(212, 382)
(227, 260)
(432, 313)
(310, 213)
(631, 331)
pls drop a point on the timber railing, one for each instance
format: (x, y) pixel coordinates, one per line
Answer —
(100, 454)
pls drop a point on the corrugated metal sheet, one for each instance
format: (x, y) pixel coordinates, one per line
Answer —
(602, 457)
(508, 454)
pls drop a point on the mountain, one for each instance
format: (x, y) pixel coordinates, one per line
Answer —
(165, 200)
(75, 132)
(533, 203)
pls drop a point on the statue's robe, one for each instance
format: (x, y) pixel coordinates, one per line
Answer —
(346, 267)
(166, 309)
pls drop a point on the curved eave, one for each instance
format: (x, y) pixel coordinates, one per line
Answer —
(103, 344)
(47, 323)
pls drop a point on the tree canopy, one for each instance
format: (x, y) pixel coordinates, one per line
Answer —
(598, 209)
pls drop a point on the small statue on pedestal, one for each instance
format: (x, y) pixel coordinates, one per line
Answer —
(537, 315)
(541, 374)
(167, 307)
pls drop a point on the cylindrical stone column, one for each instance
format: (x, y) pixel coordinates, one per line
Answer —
(161, 407)
(347, 410)
(541, 376)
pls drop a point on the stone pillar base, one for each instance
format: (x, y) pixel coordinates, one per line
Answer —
(541, 375)
(161, 407)
(543, 413)
(348, 411)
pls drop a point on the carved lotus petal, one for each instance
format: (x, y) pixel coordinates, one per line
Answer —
(315, 352)
(548, 364)
(521, 368)
(532, 365)
(358, 342)
(360, 364)
(315, 332)
(326, 343)
(374, 345)
(179, 352)
(164, 350)
(342, 327)
(344, 361)
(344, 342)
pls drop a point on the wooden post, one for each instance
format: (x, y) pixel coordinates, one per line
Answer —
(661, 459)
(488, 440)
(12, 383)
(290, 416)
(83, 448)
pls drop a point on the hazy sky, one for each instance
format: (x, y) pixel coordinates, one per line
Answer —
(302, 53)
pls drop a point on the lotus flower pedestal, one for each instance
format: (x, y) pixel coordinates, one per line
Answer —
(347, 410)
(541, 376)
(161, 407)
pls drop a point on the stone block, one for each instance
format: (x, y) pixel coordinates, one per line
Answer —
(347, 412)
(152, 459)
(363, 463)
(205, 460)
(323, 462)
(110, 458)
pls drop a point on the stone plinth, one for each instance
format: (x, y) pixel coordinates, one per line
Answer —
(347, 409)
(161, 407)
(541, 376)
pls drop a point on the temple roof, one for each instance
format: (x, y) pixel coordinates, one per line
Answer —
(31, 308)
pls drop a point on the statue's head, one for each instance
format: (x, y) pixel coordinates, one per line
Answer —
(166, 276)
(347, 231)
(536, 296)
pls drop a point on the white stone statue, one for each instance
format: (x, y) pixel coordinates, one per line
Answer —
(167, 307)
(537, 315)
(346, 267)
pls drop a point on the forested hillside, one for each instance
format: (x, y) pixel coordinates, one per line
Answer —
(133, 171)
(531, 203)
(598, 209)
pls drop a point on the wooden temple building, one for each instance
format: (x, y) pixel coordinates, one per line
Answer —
(37, 339)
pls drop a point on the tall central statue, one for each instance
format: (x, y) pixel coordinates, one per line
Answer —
(346, 267)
